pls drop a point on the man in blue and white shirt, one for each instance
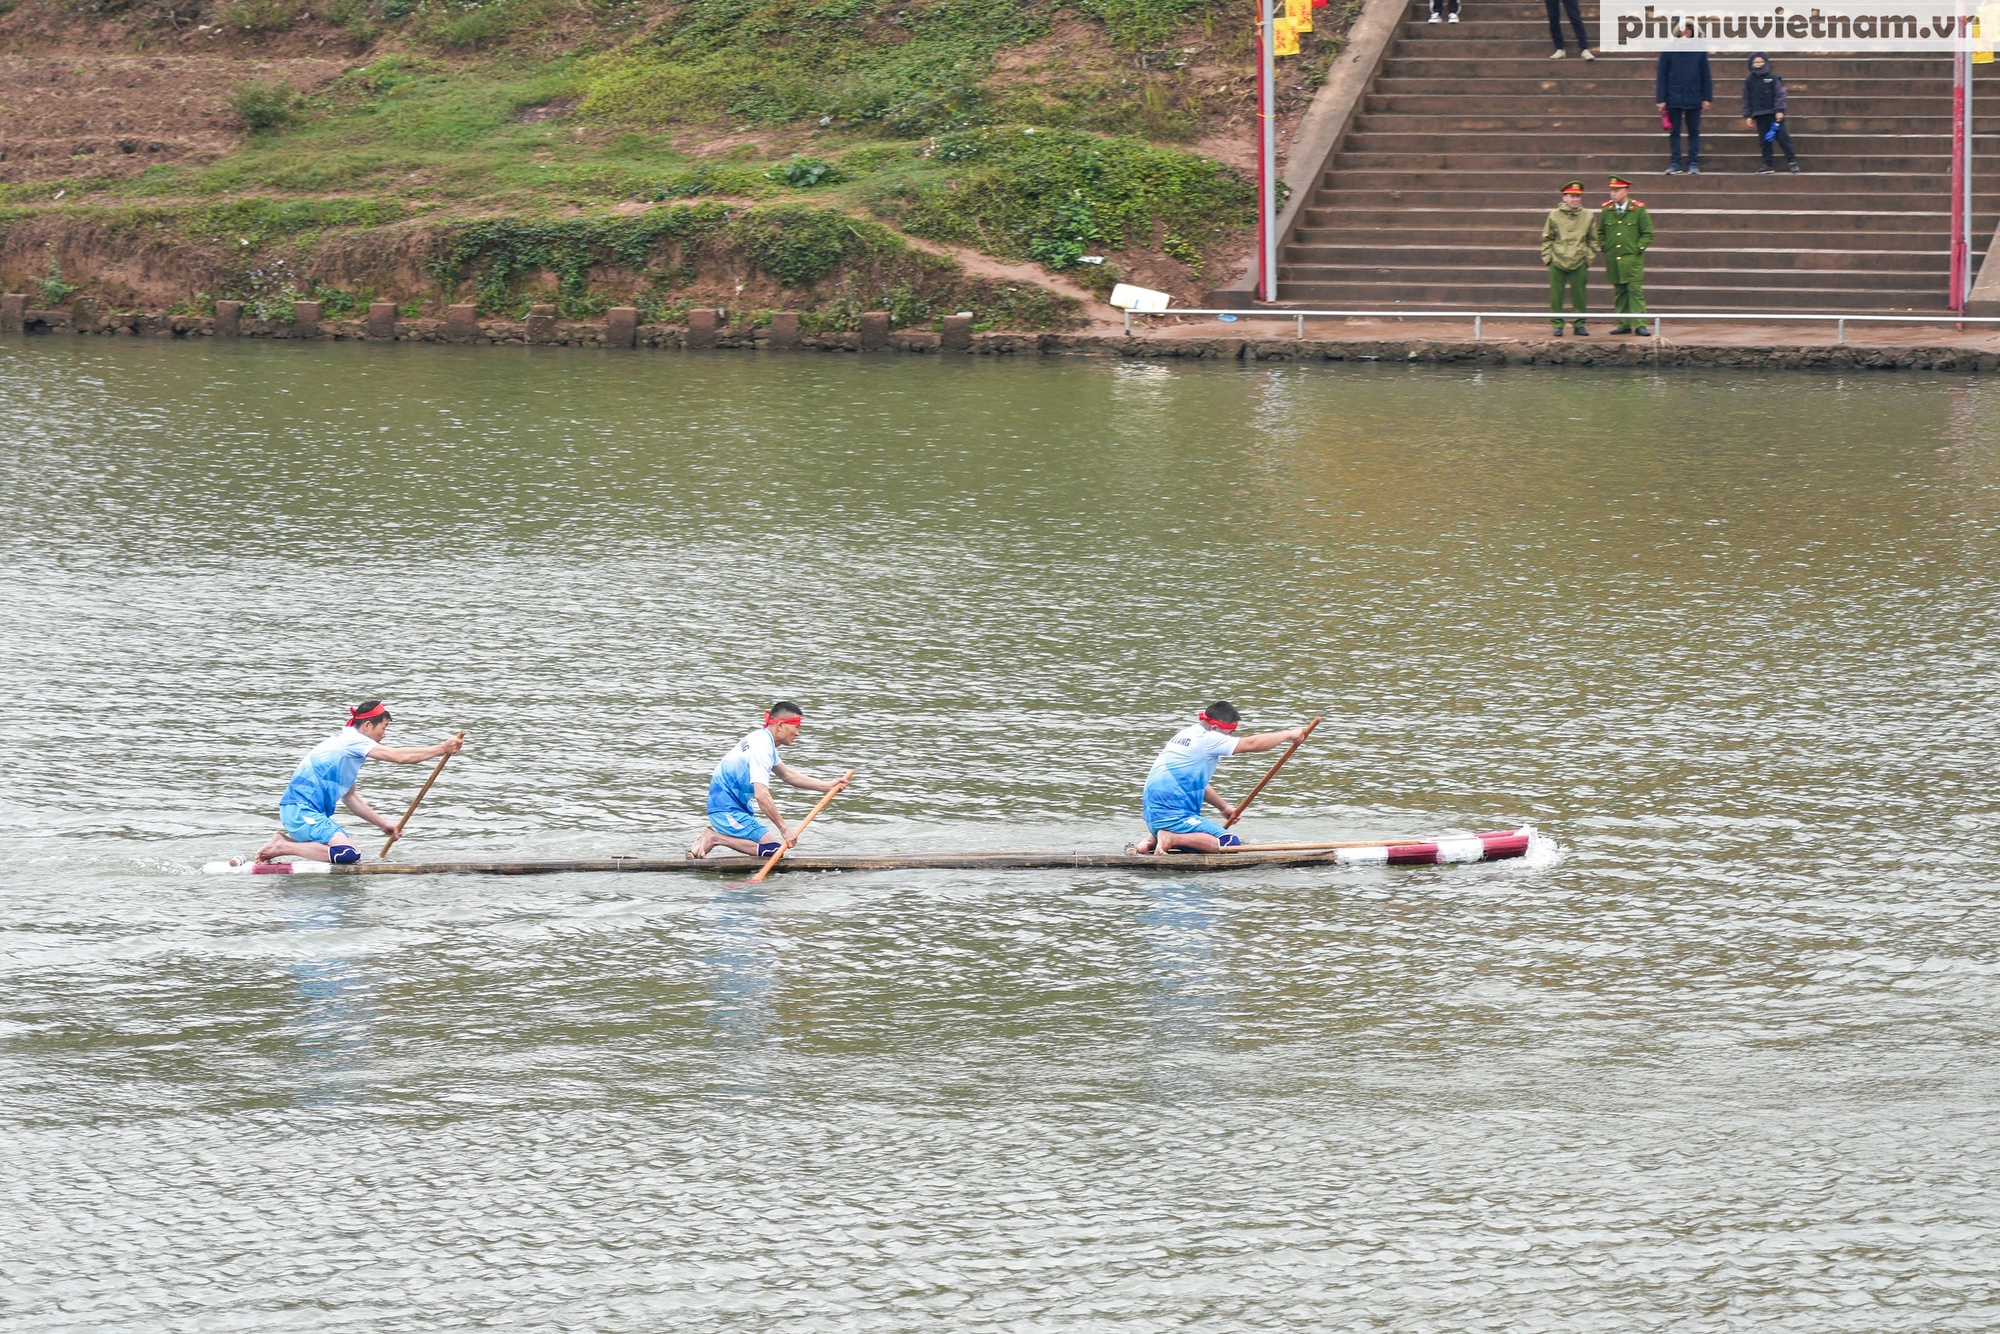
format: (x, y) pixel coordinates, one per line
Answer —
(740, 788)
(325, 779)
(1179, 781)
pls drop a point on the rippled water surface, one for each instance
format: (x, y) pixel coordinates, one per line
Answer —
(1723, 1059)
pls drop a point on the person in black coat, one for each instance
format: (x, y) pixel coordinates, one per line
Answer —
(1683, 87)
(1764, 111)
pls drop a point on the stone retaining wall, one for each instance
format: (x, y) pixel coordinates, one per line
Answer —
(621, 329)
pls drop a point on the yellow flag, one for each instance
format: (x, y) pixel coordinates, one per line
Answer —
(1300, 12)
(1284, 37)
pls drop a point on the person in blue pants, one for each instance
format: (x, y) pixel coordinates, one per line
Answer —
(1555, 8)
(1683, 86)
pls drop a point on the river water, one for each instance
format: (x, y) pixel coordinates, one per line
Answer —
(1720, 1056)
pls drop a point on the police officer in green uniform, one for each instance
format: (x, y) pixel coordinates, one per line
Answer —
(1570, 240)
(1628, 230)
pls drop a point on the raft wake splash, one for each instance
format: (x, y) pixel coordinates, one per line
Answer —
(1502, 845)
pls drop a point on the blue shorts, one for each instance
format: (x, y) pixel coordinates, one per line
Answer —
(1184, 824)
(306, 825)
(740, 824)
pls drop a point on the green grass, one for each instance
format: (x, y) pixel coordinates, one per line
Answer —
(421, 131)
(908, 70)
(245, 223)
(898, 69)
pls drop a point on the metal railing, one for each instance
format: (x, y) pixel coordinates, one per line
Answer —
(1655, 318)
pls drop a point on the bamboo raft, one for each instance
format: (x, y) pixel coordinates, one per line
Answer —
(1500, 845)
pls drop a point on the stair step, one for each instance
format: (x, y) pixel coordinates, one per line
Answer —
(1735, 201)
(1707, 241)
(1662, 297)
(1634, 160)
(1388, 133)
(1569, 83)
(1301, 256)
(1620, 118)
(1661, 270)
(1650, 182)
(1912, 72)
(1524, 44)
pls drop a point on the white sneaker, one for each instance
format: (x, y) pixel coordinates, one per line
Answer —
(1588, 54)
(1436, 17)
(1558, 55)
(1452, 19)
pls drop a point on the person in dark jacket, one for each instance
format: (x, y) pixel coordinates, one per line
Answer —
(1683, 87)
(1764, 111)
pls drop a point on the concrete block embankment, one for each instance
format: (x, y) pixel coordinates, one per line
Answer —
(710, 329)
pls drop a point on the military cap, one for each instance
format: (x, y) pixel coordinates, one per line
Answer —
(1572, 187)
(1619, 181)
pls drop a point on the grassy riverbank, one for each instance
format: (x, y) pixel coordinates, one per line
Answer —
(831, 156)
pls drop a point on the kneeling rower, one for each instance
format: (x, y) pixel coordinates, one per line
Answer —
(325, 779)
(741, 787)
(1179, 782)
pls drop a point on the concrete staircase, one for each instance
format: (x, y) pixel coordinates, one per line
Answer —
(1436, 196)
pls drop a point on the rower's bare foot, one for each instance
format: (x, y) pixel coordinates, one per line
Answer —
(271, 851)
(1162, 843)
(703, 845)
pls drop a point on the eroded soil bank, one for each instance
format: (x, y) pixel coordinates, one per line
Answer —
(348, 254)
(1922, 351)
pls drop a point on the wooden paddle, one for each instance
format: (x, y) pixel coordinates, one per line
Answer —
(811, 815)
(1291, 750)
(415, 800)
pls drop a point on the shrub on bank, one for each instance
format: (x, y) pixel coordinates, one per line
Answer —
(264, 106)
(1051, 195)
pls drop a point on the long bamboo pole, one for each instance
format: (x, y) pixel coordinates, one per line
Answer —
(1267, 152)
(1290, 751)
(1328, 847)
(1961, 241)
(784, 847)
(416, 801)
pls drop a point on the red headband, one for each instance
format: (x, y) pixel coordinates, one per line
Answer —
(355, 716)
(788, 718)
(1217, 724)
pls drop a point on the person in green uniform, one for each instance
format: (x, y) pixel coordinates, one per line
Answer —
(1627, 231)
(1571, 238)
